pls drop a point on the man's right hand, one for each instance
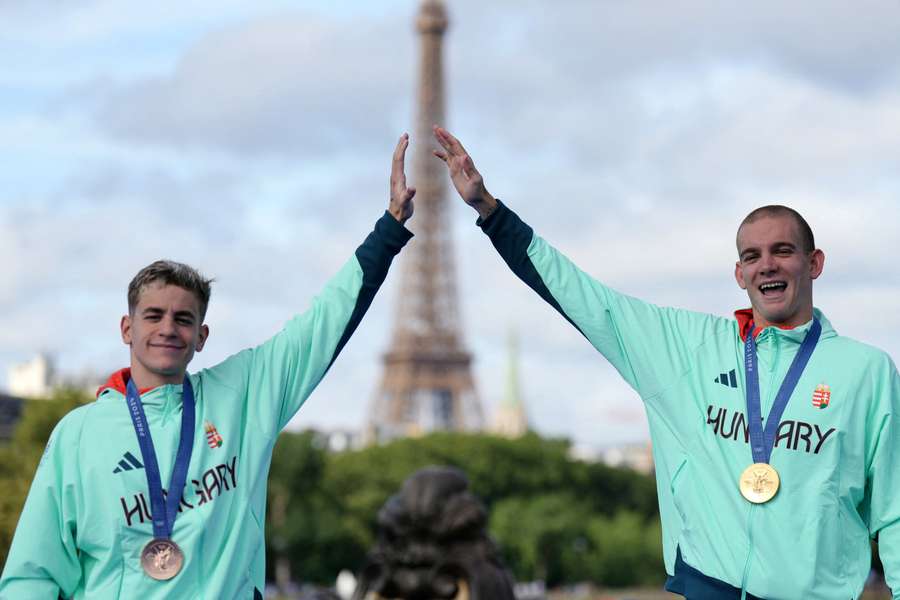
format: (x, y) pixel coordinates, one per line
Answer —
(466, 178)
(401, 204)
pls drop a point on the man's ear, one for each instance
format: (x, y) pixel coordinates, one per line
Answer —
(739, 275)
(816, 263)
(201, 339)
(125, 328)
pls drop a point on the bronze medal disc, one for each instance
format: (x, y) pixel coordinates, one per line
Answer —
(759, 483)
(162, 559)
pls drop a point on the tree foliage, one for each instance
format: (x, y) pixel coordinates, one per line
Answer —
(19, 456)
(554, 517)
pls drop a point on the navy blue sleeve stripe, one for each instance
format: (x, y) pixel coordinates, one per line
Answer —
(511, 237)
(374, 256)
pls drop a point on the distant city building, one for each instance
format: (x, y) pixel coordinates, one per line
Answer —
(638, 457)
(585, 452)
(511, 420)
(37, 378)
(339, 440)
(32, 379)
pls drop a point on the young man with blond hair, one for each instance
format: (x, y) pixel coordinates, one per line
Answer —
(101, 519)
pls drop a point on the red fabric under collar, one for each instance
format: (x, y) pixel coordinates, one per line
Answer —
(118, 381)
(744, 318)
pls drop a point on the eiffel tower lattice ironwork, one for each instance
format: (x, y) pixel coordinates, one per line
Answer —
(427, 381)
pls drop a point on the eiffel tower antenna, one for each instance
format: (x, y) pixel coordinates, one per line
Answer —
(427, 381)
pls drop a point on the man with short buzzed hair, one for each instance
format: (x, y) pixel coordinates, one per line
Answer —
(775, 440)
(102, 521)
(807, 238)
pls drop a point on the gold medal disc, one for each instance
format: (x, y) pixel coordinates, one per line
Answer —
(759, 483)
(162, 559)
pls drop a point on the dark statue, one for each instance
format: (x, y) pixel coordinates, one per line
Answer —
(433, 545)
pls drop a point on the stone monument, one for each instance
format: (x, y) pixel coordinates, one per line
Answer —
(433, 544)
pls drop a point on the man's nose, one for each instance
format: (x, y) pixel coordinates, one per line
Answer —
(767, 263)
(167, 326)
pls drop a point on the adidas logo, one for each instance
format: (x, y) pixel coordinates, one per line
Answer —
(129, 463)
(727, 379)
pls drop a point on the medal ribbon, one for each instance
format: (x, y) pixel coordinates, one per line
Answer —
(164, 510)
(762, 442)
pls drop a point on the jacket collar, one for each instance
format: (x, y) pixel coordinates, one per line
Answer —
(744, 318)
(118, 381)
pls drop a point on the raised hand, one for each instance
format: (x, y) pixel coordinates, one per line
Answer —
(465, 177)
(401, 204)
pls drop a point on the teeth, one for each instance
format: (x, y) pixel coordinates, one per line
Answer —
(772, 286)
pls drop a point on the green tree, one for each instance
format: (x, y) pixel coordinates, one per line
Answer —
(541, 500)
(626, 549)
(554, 517)
(305, 527)
(497, 468)
(20, 456)
(611, 489)
(543, 537)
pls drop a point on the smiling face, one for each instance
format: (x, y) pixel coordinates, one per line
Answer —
(777, 270)
(164, 330)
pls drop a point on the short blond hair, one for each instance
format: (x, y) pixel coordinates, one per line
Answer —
(170, 272)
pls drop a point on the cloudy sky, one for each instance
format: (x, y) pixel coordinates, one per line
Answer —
(253, 140)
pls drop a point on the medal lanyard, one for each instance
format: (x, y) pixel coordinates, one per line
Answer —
(762, 442)
(164, 510)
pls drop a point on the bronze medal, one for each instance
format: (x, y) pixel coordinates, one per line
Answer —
(759, 483)
(162, 559)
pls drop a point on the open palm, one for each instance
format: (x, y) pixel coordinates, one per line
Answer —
(465, 177)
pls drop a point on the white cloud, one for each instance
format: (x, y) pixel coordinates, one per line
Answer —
(254, 143)
(297, 84)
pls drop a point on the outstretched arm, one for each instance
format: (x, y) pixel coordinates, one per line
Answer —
(286, 368)
(625, 330)
(465, 177)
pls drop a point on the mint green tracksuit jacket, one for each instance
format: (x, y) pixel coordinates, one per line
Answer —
(839, 460)
(87, 516)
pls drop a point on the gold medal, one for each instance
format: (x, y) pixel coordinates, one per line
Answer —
(162, 559)
(759, 483)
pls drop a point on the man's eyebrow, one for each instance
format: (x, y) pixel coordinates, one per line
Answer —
(155, 310)
(775, 246)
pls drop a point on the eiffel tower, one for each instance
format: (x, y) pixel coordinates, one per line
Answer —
(427, 381)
